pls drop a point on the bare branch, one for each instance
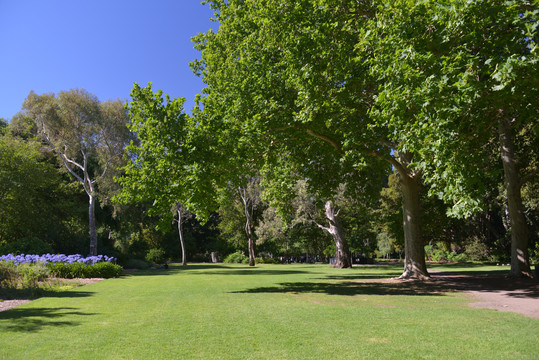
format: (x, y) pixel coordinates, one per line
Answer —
(71, 171)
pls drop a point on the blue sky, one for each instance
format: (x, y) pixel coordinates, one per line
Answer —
(103, 46)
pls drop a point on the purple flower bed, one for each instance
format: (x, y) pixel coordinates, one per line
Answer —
(60, 258)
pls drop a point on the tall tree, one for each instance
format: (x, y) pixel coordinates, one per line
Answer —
(466, 70)
(87, 135)
(295, 76)
(160, 159)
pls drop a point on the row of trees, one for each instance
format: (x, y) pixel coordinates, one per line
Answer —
(429, 88)
(319, 102)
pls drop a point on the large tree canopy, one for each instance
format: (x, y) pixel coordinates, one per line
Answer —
(466, 73)
(161, 165)
(408, 83)
(88, 136)
(291, 77)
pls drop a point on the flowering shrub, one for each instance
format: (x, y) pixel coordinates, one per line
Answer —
(68, 266)
(60, 258)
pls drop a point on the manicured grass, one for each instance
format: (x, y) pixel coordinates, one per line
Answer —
(266, 312)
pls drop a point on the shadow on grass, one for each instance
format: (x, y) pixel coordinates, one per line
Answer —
(216, 269)
(438, 285)
(354, 288)
(30, 320)
(32, 294)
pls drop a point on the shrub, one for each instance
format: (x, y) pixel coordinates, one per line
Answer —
(156, 256)
(136, 264)
(25, 276)
(67, 270)
(457, 257)
(477, 250)
(236, 258)
(29, 245)
(81, 270)
(103, 270)
(266, 260)
(8, 273)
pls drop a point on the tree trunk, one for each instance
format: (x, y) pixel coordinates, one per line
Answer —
(414, 249)
(93, 231)
(520, 265)
(250, 240)
(248, 209)
(180, 232)
(251, 244)
(342, 255)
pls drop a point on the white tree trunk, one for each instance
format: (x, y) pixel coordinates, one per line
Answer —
(342, 254)
(248, 209)
(93, 230)
(180, 233)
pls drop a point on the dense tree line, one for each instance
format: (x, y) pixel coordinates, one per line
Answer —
(326, 128)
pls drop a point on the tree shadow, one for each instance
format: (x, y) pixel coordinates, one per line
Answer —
(29, 294)
(354, 288)
(255, 271)
(216, 269)
(379, 284)
(371, 276)
(493, 281)
(34, 319)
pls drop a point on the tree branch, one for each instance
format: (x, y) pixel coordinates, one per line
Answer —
(335, 144)
(71, 171)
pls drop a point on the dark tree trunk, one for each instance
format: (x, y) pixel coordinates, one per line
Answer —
(520, 265)
(342, 254)
(93, 231)
(180, 233)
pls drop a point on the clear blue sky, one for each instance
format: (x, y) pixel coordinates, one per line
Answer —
(103, 46)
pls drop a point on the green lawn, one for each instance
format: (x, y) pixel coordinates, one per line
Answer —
(267, 312)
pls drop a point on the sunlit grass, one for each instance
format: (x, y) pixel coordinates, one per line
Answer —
(270, 311)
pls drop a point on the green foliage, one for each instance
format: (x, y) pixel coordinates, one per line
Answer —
(534, 255)
(33, 198)
(136, 264)
(103, 270)
(477, 250)
(67, 271)
(24, 277)
(236, 258)
(384, 244)
(267, 260)
(155, 256)
(81, 270)
(30, 245)
(162, 159)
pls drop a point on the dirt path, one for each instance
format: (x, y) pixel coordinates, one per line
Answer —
(9, 304)
(495, 292)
